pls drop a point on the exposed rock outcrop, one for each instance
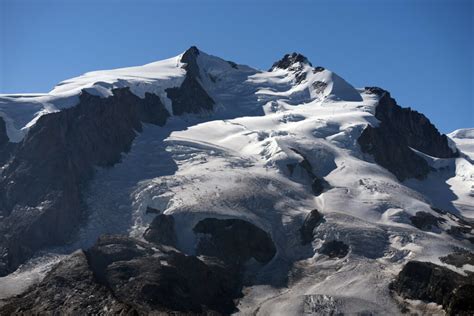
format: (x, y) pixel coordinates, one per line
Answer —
(122, 275)
(161, 279)
(318, 185)
(311, 221)
(432, 283)
(161, 231)
(3, 133)
(190, 97)
(40, 190)
(459, 258)
(69, 288)
(461, 229)
(401, 129)
(6, 147)
(234, 241)
(334, 249)
(289, 60)
(426, 221)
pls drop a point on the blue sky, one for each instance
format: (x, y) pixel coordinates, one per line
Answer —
(419, 50)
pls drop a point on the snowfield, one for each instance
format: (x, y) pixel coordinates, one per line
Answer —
(233, 163)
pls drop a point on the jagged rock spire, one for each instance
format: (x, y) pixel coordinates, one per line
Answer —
(290, 59)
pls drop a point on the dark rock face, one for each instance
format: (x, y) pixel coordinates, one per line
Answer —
(312, 220)
(399, 129)
(319, 86)
(161, 280)
(334, 249)
(121, 275)
(161, 231)
(462, 303)
(426, 221)
(318, 69)
(190, 97)
(234, 241)
(464, 228)
(414, 127)
(432, 283)
(462, 232)
(290, 59)
(459, 258)
(68, 289)
(233, 65)
(317, 184)
(393, 154)
(179, 283)
(190, 59)
(3, 132)
(40, 188)
(113, 248)
(6, 147)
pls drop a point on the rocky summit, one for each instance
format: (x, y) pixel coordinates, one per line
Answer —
(199, 186)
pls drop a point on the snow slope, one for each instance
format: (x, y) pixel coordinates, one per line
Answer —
(464, 140)
(233, 164)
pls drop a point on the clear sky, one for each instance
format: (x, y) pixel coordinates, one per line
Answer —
(419, 50)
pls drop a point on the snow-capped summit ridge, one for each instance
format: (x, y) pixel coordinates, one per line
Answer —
(463, 133)
(232, 86)
(289, 60)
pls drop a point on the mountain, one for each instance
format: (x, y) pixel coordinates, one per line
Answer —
(196, 185)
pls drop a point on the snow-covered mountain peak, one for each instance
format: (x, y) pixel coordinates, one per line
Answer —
(292, 78)
(304, 82)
